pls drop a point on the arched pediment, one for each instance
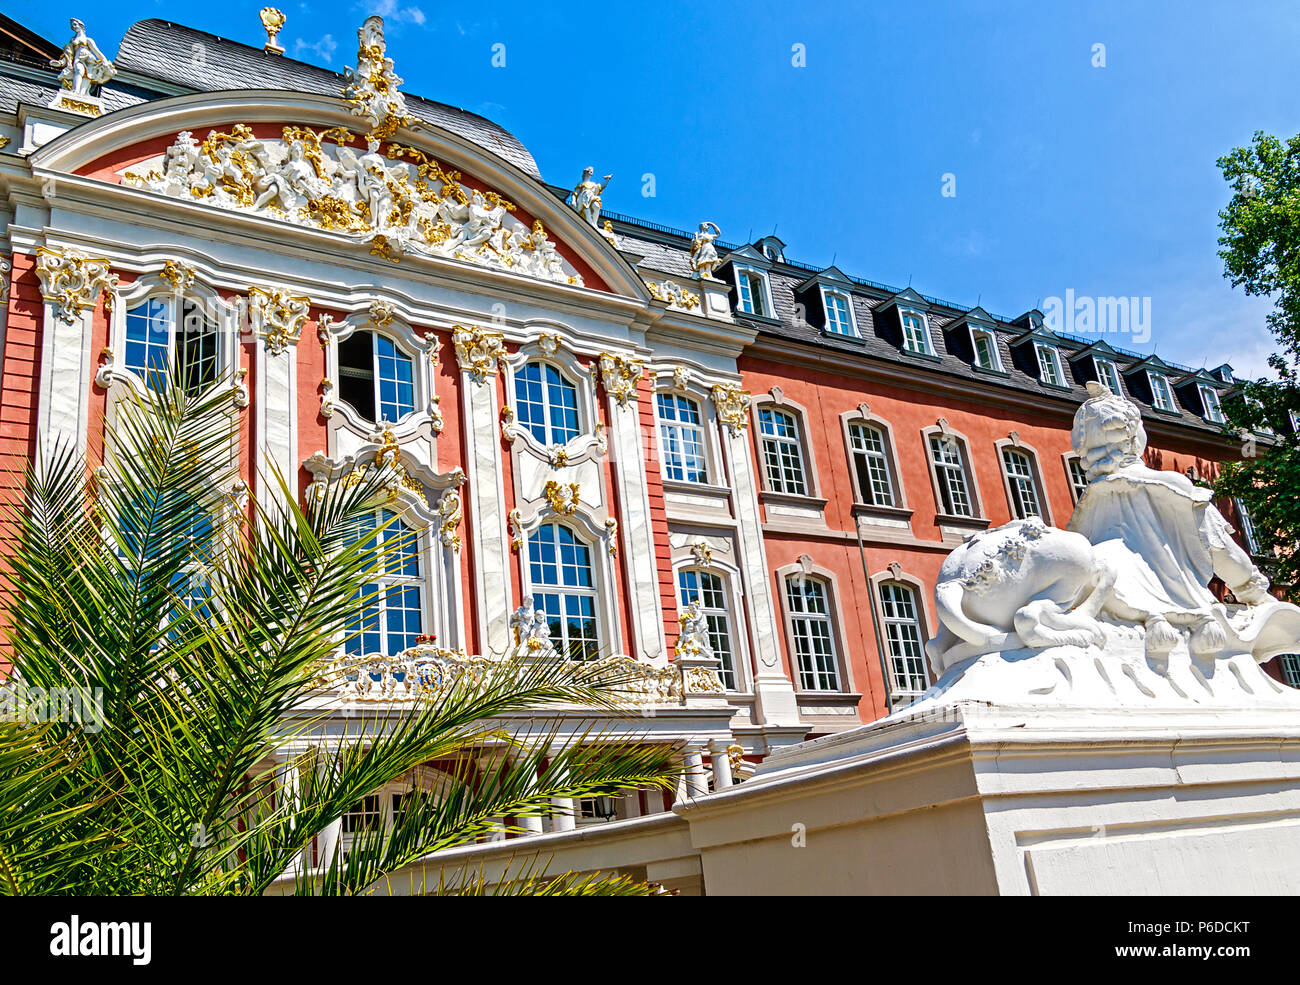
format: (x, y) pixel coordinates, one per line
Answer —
(299, 159)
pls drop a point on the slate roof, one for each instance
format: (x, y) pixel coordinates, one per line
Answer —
(668, 251)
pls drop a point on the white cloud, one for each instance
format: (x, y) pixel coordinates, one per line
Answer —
(323, 49)
(391, 11)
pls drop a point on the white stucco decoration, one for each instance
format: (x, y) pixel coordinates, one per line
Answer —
(586, 196)
(81, 63)
(1116, 610)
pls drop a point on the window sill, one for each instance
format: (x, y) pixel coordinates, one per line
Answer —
(1166, 413)
(927, 356)
(974, 522)
(888, 512)
(764, 319)
(1061, 387)
(843, 337)
(793, 499)
(991, 371)
(699, 488)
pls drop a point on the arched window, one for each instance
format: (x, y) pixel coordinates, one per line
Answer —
(376, 379)
(782, 451)
(1022, 483)
(871, 465)
(546, 404)
(814, 639)
(711, 592)
(390, 612)
(563, 586)
(951, 474)
(903, 638)
(158, 347)
(682, 437)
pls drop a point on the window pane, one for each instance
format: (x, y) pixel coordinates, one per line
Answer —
(782, 453)
(394, 372)
(903, 640)
(563, 587)
(1022, 483)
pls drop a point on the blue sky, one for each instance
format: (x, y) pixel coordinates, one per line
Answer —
(1099, 180)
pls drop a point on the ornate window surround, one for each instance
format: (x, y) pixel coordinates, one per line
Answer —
(550, 349)
(805, 566)
(681, 382)
(978, 517)
(421, 348)
(173, 281)
(435, 513)
(733, 578)
(862, 415)
(895, 573)
(854, 332)
(1013, 440)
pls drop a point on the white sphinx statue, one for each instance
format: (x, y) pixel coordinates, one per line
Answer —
(1116, 610)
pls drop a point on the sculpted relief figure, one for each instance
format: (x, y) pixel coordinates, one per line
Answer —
(82, 63)
(1118, 606)
(704, 255)
(585, 197)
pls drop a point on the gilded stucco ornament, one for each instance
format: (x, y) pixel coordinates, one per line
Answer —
(394, 199)
(449, 516)
(179, 275)
(681, 378)
(277, 317)
(704, 254)
(562, 497)
(273, 22)
(478, 352)
(516, 520)
(104, 375)
(81, 63)
(732, 404)
(72, 282)
(611, 536)
(241, 387)
(621, 376)
(702, 552)
(372, 89)
(326, 397)
(674, 294)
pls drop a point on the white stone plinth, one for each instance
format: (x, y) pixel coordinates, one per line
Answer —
(968, 799)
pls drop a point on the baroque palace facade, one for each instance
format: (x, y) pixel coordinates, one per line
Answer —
(603, 428)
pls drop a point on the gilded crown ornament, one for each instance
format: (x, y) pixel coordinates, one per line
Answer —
(273, 21)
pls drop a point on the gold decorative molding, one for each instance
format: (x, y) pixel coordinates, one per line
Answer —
(702, 680)
(516, 521)
(621, 376)
(277, 317)
(562, 497)
(732, 404)
(449, 513)
(702, 552)
(179, 275)
(611, 536)
(372, 89)
(478, 352)
(72, 282)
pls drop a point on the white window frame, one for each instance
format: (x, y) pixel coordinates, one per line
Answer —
(1248, 532)
(976, 333)
(803, 619)
(1162, 393)
(578, 410)
(1049, 355)
(1078, 481)
(941, 472)
(597, 592)
(1289, 665)
(1022, 487)
(1107, 373)
(787, 451)
(1213, 406)
(895, 632)
(413, 360)
(730, 671)
(678, 428)
(744, 288)
(882, 457)
(386, 580)
(847, 298)
(903, 315)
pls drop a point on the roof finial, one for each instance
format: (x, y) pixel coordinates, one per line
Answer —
(273, 21)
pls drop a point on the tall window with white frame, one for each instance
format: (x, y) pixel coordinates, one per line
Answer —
(1161, 395)
(1049, 365)
(839, 316)
(563, 586)
(546, 403)
(1248, 532)
(390, 612)
(158, 347)
(1107, 375)
(810, 627)
(751, 288)
(681, 436)
(376, 378)
(949, 459)
(1210, 400)
(871, 464)
(915, 336)
(782, 451)
(986, 350)
(1078, 477)
(710, 591)
(903, 637)
(1022, 483)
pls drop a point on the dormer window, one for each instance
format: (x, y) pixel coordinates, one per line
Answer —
(1049, 365)
(751, 292)
(839, 313)
(1162, 397)
(916, 333)
(1210, 401)
(1107, 375)
(985, 345)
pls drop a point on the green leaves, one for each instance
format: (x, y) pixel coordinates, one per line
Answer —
(203, 624)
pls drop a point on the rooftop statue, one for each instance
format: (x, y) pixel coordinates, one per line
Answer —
(704, 255)
(82, 63)
(1117, 609)
(585, 197)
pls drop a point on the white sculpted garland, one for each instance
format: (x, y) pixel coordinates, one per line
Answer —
(1116, 610)
(392, 197)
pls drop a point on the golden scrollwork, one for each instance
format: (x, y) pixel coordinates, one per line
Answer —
(72, 282)
(449, 513)
(562, 497)
(516, 520)
(478, 352)
(732, 404)
(178, 275)
(277, 317)
(621, 375)
(702, 680)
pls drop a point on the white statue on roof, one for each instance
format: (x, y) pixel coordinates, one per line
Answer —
(704, 255)
(82, 63)
(1117, 609)
(585, 197)
(372, 88)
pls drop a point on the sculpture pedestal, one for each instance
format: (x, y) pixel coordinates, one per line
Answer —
(975, 799)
